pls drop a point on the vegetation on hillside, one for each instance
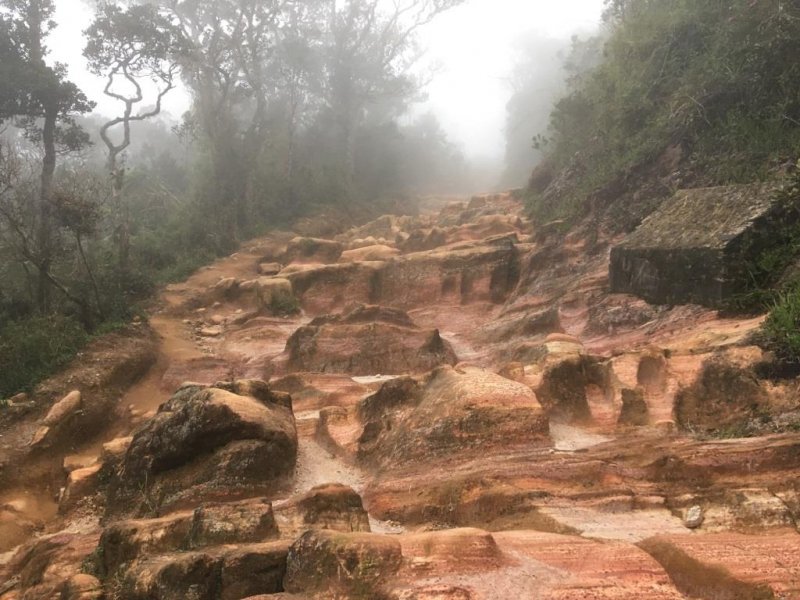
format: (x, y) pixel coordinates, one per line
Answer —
(717, 81)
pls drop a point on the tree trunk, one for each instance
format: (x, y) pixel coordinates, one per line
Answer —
(123, 227)
(44, 240)
(91, 276)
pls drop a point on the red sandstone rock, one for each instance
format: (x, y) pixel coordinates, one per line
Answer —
(229, 437)
(370, 340)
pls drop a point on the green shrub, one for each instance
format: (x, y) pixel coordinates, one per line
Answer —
(782, 327)
(781, 251)
(33, 349)
(283, 303)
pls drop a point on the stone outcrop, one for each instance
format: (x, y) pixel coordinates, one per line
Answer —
(127, 542)
(464, 410)
(334, 507)
(324, 289)
(229, 574)
(695, 248)
(207, 442)
(484, 271)
(370, 340)
(327, 564)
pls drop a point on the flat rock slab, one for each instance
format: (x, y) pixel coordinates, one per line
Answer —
(730, 565)
(695, 247)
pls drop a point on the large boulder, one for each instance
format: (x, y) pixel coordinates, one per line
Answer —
(696, 247)
(332, 506)
(207, 442)
(450, 411)
(370, 340)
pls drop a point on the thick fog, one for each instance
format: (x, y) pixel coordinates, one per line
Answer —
(471, 52)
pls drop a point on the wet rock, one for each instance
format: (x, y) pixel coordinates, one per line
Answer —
(81, 483)
(207, 442)
(228, 573)
(730, 565)
(514, 371)
(563, 388)
(254, 569)
(724, 396)
(63, 409)
(59, 419)
(694, 517)
(115, 449)
(332, 506)
(367, 341)
(224, 289)
(174, 577)
(341, 563)
(325, 289)
(451, 411)
(269, 269)
(264, 289)
(208, 525)
(214, 331)
(464, 273)
(43, 567)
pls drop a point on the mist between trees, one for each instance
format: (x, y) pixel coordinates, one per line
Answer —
(297, 107)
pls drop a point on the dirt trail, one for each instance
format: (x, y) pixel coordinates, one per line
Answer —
(583, 478)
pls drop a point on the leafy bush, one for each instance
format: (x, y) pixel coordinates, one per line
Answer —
(780, 251)
(34, 348)
(782, 327)
(283, 303)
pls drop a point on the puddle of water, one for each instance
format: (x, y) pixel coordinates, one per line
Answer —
(19, 510)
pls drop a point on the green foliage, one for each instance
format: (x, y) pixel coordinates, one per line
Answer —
(283, 303)
(718, 78)
(781, 250)
(782, 327)
(32, 349)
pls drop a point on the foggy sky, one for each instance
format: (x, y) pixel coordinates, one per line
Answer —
(472, 47)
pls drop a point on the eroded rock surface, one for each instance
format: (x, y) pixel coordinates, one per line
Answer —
(370, 340)
(590, 445)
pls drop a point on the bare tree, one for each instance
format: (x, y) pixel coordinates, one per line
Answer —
(127, 47)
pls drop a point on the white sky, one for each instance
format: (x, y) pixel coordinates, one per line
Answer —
(472, 44)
